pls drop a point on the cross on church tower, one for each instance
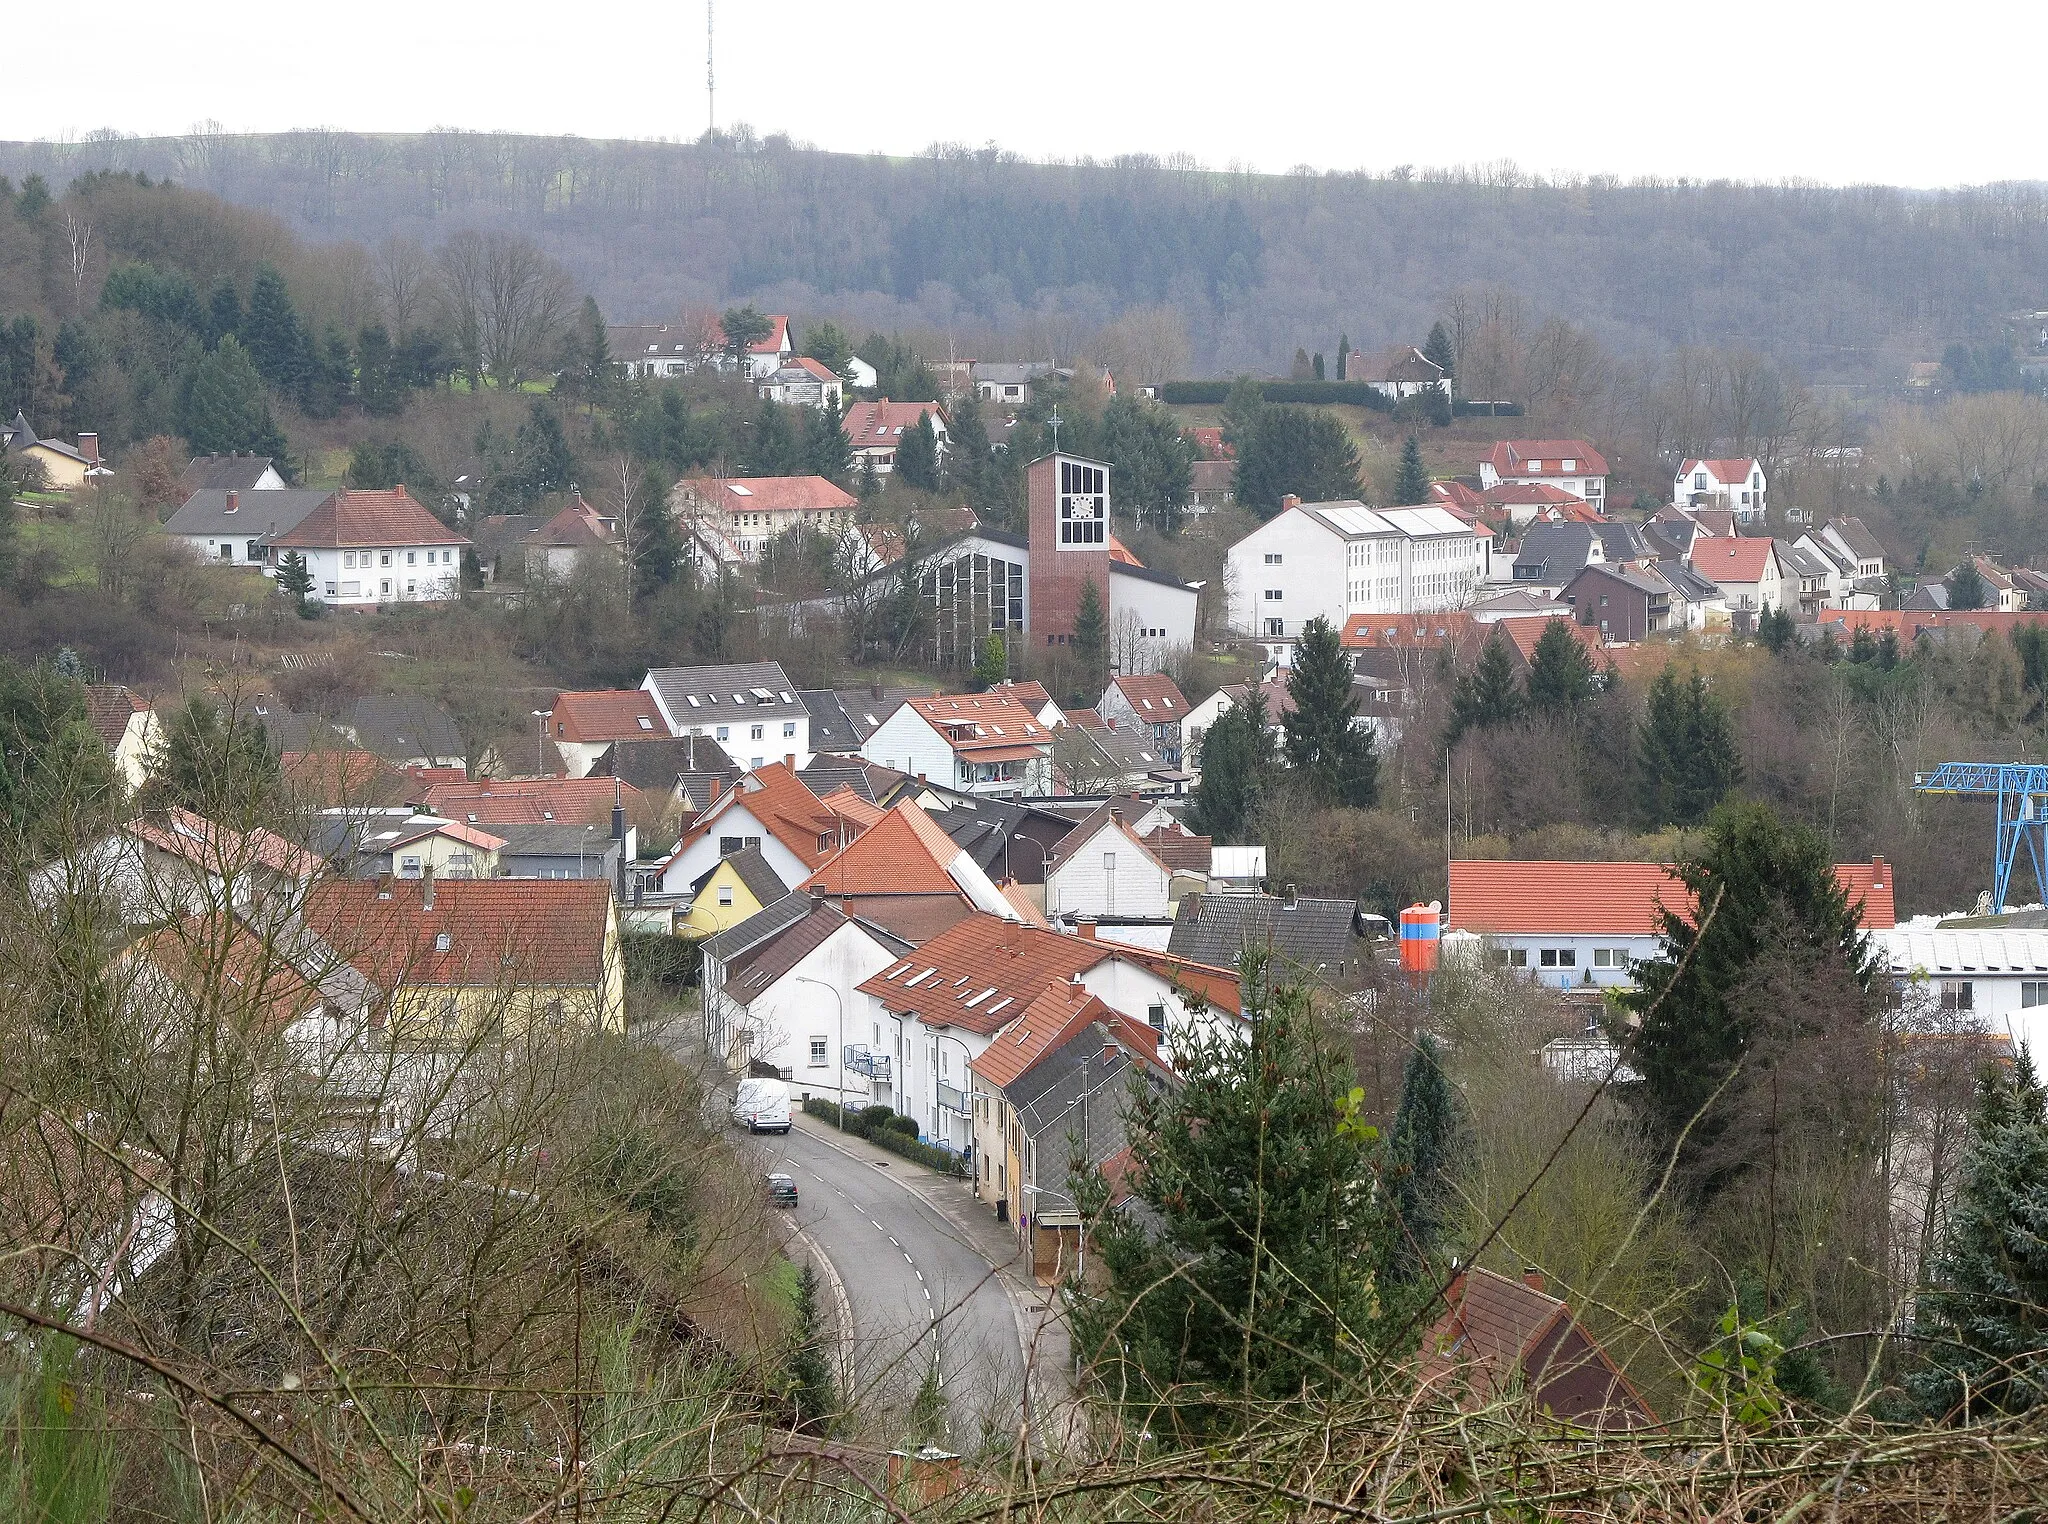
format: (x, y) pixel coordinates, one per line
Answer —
(1055, 422)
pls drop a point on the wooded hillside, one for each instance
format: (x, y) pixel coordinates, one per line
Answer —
(1017, 258)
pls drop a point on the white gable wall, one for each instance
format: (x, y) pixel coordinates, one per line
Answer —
(1108, 874)
(703, 854)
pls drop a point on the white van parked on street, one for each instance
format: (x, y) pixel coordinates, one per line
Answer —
(762, 1105)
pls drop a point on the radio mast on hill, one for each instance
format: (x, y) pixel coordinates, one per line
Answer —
(710, 79)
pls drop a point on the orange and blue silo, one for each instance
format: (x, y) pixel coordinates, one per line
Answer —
(1421, 932)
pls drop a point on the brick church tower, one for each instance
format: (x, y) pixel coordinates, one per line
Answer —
(1069, 533)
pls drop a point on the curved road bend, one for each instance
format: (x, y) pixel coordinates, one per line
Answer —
(914, 1283)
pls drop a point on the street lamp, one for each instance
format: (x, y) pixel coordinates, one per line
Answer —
(838, 1068)
(540, 739)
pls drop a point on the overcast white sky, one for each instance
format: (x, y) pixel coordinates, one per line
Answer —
(1760, 89)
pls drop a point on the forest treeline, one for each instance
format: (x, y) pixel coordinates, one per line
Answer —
(1847, 284)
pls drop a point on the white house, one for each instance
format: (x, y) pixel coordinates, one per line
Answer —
(365, 549)
(943, 1004)
(876, 430)
(230, 527)
(1587, 924)
(1403, 371)
(1333, 560)
(749, 708)
(783, 989)
(979, 743)
(865, 376)
(1007, 384)
(1994, 976)
(127, 727)
(770, 809)
(1103, 868)
(1851, 539)
(1746, 570)
(1737, 485)
(804, 382)
(752, 510)
(1570, 465)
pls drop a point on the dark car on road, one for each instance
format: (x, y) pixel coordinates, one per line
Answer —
(781, 1190)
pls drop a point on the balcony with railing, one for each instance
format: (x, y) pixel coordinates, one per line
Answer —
(864, 1061)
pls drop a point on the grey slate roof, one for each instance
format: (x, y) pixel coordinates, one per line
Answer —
(832, 729)
(401, 726)
(1690, 584)
(866, 709)
(733, 693)
(758, 927)
(550, 838)
(659, 764)
(1857, 536)
(828, 773)
(753, 870)
(257, 514)
(1553, 552)
(1216, 928)
(1668, 541)
(767, 960)
(220, 472)
(1804, 561)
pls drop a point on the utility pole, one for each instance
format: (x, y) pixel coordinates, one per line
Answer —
(710, 79)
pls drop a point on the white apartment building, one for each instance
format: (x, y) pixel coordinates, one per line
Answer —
(1735, 484)
(1343, 558)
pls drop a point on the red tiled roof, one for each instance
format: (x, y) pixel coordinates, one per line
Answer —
(1121, 553)
(1423, 632)
(1217, 986)
(1179, 848)
(774, 343)
(771, 494)
(1909, 625)
(224, 960)
(851, 808)
(1503, 494)
(1730, 558)
(528, 801)
(576, 526)
(790, 812)
(1503, 1336)
(998, 721)
(335, 778)
(1611, 899)
(1524, 630)
(1086, 719)
(1032, 695)
(1047, 1024)
(816, 368)
(1729, 473)
(108, 709)
(220, 849)
(606, 714)
(391, 518)
(1155, 695)
(1210, 442)
(1546, 457)
(902, 853)
(882, 425)
(501, 931)
(982, 972)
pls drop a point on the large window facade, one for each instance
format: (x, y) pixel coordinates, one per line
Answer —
(1084, 504)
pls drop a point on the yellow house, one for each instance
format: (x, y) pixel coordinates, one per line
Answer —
(727, 893)
(451, 958)
(66, 468)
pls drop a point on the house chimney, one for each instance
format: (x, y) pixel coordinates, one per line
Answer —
(89, 447)
(427, 887)
(1293, 901)
(1289, 500)
(817, 894)
(234, 500)
(789, 760)
(1087, 929)
(1877, 873)
(1532, 1277)
(399, 489)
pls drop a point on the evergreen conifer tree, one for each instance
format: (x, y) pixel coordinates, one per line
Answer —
(1686, 760)
(1423, 1148)
(1561, 674)
(1985, 1321)
(1966, 589)
(295, 578)
(991, 661)
(1315, 365)
(1324, 745)
(1412, 485)
(272, 333)
(870, 480)
(1343, 356)
(917, 456)
(813, 1393)
(659, 558)
(1488, 694)
(1437, 348)
(57, 783)
(224, 409)
(1298, 450)
(744, 327)
(1257, 1277)
(1243, 406)
(1303, 371)
(1753, 885)
(1236, 762)
(1775, 631)
(223, 313)
(1091, 639)
(219, 766)
(827, 450)
(774, 447)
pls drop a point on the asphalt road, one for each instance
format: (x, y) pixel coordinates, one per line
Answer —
(916, 1286)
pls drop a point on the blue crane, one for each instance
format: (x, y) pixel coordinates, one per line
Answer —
(2021, 789)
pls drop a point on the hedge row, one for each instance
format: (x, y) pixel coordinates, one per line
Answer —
(1356, 393)
(881, 1127)
(668, 963)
